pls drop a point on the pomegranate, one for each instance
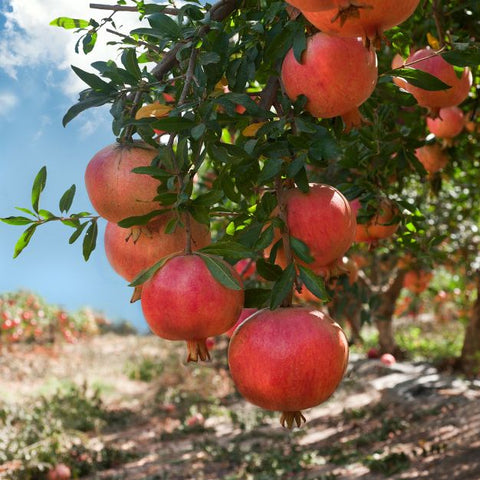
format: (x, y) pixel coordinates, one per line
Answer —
(246, 312)
(59, 472)
(288, 360)
(367, 21)
(129, 255)
(398, 62)
(245, 267)
(417, 281)
(373, 353)
(380, 225)
(432, 157)
(324, 221)
(336, 75)
(428, 61)
(448, 124)
(388, 359)
(115, 192)
(183, 301)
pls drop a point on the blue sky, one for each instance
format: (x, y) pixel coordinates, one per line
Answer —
(36, 88)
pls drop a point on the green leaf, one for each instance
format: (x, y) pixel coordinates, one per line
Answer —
(148, 273)
(464, 55)
(17, 220)
(299, 45)
(74, 236)
(129, 61)
(46, 214)
(268, 271)
(221, 271)
(24, 240)
(228, 249)
(173, 124)
(208, 199)
(25, 210)
(271, 168)
(165, 25)
(256, 297)
(93, 81)
(38, 187)
(69, 23)
(88, 42)
(90, 239)
(313, 282)
(140, 219)
(67, 199)
(420, 79)
(301, 250)
(283, 286)
(89, 102)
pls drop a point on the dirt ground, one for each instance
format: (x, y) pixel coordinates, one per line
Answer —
(407, 421)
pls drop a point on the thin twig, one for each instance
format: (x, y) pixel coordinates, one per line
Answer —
(123, 8)
(136, 42)
(438, 25)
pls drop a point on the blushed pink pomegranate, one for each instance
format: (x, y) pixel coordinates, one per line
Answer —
(448, 124)
(128, 255)
(398, 62)
(288, 360)
(428, 61)
(336, 75)
(432, 157)
(369, 20)
(324, 221)
(115, 192)
(59, 472)
(183, 301)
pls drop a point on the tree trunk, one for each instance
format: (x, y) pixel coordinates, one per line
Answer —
(383, 316)
(469, 361)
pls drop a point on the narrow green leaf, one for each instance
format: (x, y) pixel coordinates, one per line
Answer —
(46, 214)
(228, 249)
(221, 271)
(420, 79)
(74, 236)
(88, 42)
(92, 80)
(268, 271)
(25, 210)
(67, 199)
(90, 239)
(130, 62)
(165, 25)
(265, 239)
(17, 220)
(148, 273)
(140, 220)
(301, 250)
(69, 23)
(89, 102)
(299, 45)
(173, 124)
(24, 240)
(38, 187)
(208, 199)
(313, 282)
(463, 57)
(283, 286)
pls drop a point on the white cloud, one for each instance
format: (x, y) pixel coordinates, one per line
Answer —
(27, 39)
(8, 101)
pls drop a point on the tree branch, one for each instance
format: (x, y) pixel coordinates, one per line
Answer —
(123, 8)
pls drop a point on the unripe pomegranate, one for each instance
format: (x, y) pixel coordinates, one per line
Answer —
(380, 225)
(183, 301)
(428, 61)
(336, 75)
(448, 124)
(369, 21)
(432, 157)
(246, 312)
(417, 281)
(128, 255)
(388, 359)
(115, 192)
(288, 360)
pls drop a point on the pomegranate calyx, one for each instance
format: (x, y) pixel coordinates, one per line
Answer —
(197, 349)
(287, 419)
(137, 294)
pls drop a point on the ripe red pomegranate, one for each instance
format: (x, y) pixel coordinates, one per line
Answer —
(432, 157)
(115, 192)
(428, 61)
(380, 225)
(128, 255)
(336, 75)
(59, 472)
(246, 312)
(448, 124)
(183, 301)
(417, 281)
(245, 267)
(367, 21)
(288, 360)
(324, 221)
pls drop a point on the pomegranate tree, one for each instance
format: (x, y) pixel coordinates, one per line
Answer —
(114, 190)
(324, 221)
(288, 360)
(184, 301)
(432, 157)
(448, 124)
(367, 21)
(336, 75)
(130, 251)
(429, 61)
